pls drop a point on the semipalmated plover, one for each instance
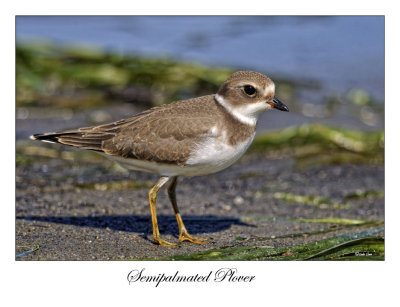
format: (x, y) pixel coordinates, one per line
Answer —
(187, 138)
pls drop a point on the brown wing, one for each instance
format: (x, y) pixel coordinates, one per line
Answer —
(163, 134)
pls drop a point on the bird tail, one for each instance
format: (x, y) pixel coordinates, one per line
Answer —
(76, 138)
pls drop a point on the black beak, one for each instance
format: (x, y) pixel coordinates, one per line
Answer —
(279, 105)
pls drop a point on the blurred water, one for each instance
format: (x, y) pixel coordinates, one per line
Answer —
(341, 52)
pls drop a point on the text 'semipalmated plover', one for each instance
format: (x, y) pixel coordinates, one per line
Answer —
(187, 138)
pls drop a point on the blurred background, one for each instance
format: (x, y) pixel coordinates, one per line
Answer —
(327, 69)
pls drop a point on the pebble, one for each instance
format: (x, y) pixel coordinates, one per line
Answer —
(238, 200)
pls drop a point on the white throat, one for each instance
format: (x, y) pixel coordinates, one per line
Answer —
(247, 114)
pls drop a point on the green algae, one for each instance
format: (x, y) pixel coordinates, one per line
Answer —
(365, 194)
(365, 245)
(312, 200)
(304, 199)
(80, 77)
(335, 224)
(341, 221)
(332, 220)
(316, 144)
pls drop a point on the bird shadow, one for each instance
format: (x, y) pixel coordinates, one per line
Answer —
(141, 224)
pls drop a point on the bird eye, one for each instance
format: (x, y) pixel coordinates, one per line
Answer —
(249, 90)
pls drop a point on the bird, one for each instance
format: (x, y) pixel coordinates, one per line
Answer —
(185, 138)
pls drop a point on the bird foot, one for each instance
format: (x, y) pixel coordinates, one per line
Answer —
(185, 236)
(158, 240)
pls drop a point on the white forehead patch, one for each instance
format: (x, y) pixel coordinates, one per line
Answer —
(269, 90)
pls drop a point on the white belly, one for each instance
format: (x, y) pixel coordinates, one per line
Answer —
(214, 154)
(210, 156)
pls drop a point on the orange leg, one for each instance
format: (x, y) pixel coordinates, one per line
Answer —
(153, 201)
(183, 233)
